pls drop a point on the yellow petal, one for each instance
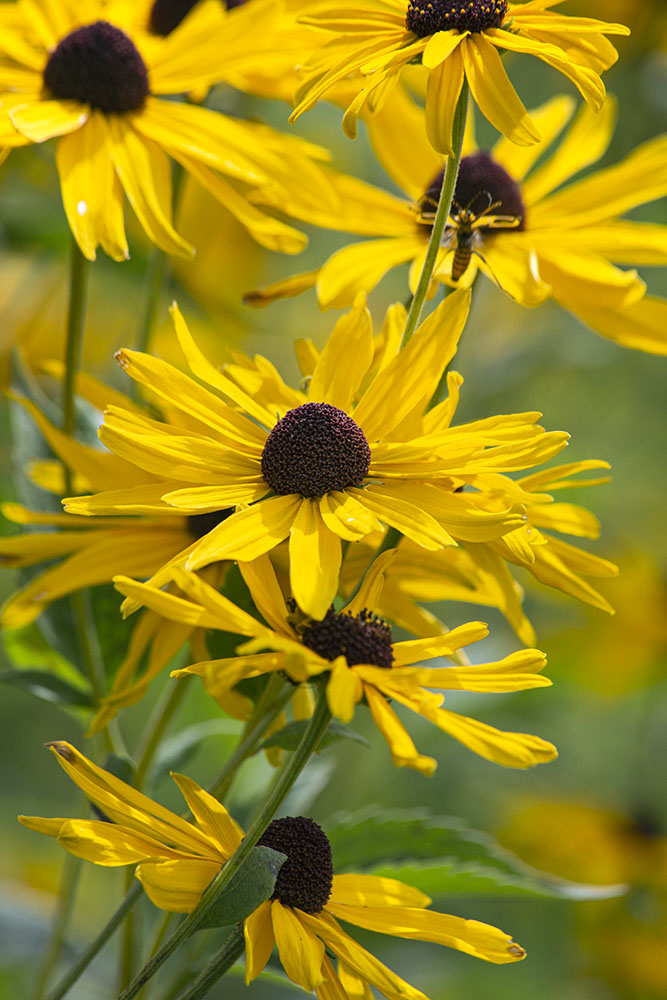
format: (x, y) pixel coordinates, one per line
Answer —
(346, 517)
(176, 886)
(262, 582)
(415, 372)
(510, 749)
(403, 751)
(92, 194)
(315, 557)
(370, 590)
(442, 94)
(414, 650)
(287, 288)
(301, 951)
(344, 690)
(346, 358)
(516, 672)
(259, 940)
(230, 617)
(410, 520)
(47, 119)
(249, 533)
(642, 326)
(440, 46)
(470, 936)
(358, 268)
(211, 816)
(550, 119)
(145, 174)
(493, 93)
(374, 890)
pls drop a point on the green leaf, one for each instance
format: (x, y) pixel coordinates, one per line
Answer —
(290, 735)
(442, 856)
(47, 686)
(251, 885)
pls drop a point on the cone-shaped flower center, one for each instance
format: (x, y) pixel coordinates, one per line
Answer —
(200, 524)
(425, 17)
(98, 65)
(305, 879)
(481, 183)
(313, 449)
(362, 638)
(166, 15)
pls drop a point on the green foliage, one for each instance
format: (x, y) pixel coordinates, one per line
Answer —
(47, 686)
(290, 735)
(250, 886)
(442, 856)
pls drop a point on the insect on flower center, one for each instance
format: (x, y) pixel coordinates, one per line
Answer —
(98, 65)
(305, 879)
(362, 638)
(199, 525)
(314, 449)
(426, 17)
(482, 186)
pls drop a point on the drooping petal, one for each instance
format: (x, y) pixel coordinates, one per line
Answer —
(301, 951)
(47, 119)
(492, 91)
(360, 267)
(259, 940)
(176, 886)
(442, 94)
(211, 816)
(509, 749)
(248, 533)
(315, 557)
(403, 751)
(345, 359)
(344, 690)
(470, 936)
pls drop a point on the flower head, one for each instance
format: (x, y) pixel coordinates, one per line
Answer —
(354, 651)
(455, 41)
(177, 859)
(530, 235)
(323, 464)
(92, 75)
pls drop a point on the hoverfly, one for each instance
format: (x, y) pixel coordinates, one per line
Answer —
(462, 234)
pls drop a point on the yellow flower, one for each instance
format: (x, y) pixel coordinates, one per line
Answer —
(90, 73)
(455, 41)
(320, 465)
(564, 242)
(176, 860)
(355, 648)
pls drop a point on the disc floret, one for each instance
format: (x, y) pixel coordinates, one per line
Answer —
(426, 17)
(306, 877)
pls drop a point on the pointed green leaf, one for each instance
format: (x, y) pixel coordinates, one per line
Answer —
(442, 856)
(290, 735)
(47, 686)
(252, 884)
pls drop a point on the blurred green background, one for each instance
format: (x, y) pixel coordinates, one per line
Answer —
(598, 813)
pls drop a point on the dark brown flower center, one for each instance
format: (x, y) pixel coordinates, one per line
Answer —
(362, 638)
(426, 18)
(200, 524)
(166, 15)
(314, 449)
(98, 65)
(481, 183)
(305, 879)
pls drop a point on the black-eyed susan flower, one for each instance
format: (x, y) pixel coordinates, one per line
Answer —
(454, 41)
(319, 465)
(177, 859)
(91, 74)
(558, 242)
(355, 649)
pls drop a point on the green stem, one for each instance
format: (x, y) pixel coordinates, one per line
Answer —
(163, 713)
(95, 946)
(155, 272)
(267, 710)
(76, 319)
(69, 882)
(440, 221)
(290, 772)
(221, 962)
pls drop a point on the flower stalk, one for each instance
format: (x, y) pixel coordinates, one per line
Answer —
(214, 970)
(442, 214)
(290, 772)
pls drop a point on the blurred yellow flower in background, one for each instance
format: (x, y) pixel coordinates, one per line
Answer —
(83, 72)
(567, 240)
